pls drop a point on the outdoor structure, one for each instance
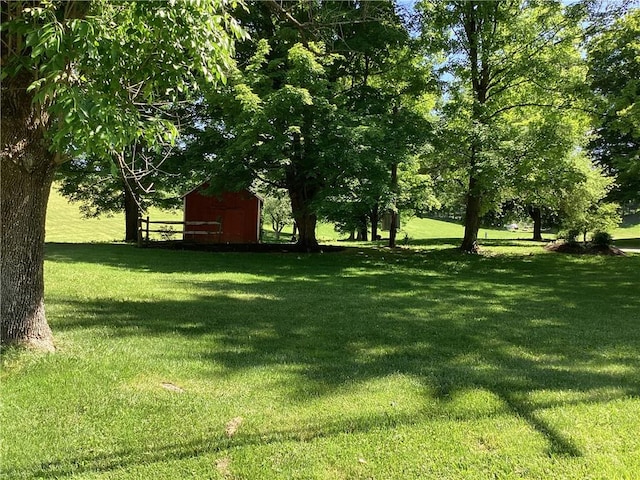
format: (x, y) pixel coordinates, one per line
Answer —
(230, 217)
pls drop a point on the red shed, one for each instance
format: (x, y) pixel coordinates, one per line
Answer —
(237, 215)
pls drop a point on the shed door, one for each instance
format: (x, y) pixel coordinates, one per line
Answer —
(233, 226)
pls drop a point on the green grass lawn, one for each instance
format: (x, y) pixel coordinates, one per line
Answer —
(65, 222)
(412, 364)
(628, 234)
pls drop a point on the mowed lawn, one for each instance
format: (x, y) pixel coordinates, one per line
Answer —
(412, 364)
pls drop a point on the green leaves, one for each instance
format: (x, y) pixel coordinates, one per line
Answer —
(614, 74)
(512, 111)
(109, 71)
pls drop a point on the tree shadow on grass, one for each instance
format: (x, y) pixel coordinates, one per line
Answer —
(512, 327)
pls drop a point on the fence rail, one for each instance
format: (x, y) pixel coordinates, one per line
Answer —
(145, 228)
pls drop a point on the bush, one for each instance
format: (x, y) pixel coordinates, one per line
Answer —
(571, 236)
(602, 239)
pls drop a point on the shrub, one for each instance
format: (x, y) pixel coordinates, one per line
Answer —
(602, 239)
(571, 236)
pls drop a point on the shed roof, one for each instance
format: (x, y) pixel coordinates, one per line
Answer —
(258, 196)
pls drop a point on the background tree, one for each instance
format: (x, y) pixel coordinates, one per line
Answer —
(105, 186)
(277, 210)
(502, 59)
(289, 116)
(584, 209)
(68, 72)
(545, 164)
(142, 174)
(614, 76)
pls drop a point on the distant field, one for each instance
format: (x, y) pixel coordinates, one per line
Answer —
(628, 235)
(65, 224)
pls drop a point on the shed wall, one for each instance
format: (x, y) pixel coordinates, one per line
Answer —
(238, 212)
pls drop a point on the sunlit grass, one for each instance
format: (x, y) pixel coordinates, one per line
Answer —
(368, 363)
(66, 223)
(419, 363)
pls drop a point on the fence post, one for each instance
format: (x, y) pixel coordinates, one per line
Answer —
(139, 231)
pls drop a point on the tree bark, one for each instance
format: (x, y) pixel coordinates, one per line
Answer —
(26, 171)
(472, 219)
(303, 188)
(480, 75)
(306, 222)
(363, 231)
(536, 215)
(375, 218)
(393, 230)
(131, 214)
(305, 219)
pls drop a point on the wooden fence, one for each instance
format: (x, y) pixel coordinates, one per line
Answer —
(164, 228)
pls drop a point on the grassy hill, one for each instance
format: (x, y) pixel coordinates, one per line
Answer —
(66, 224)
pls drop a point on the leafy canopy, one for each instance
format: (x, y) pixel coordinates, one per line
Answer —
(108, 70)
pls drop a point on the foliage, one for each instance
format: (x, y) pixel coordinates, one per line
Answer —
(602, 239)
(506, 68)
(95, 68)
(614, 75)
(277, 209)
(583, 205)
(308, 110)
(99, 184)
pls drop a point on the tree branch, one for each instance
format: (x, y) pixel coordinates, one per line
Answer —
(280, 11)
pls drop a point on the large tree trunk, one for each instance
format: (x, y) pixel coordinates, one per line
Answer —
(305, 219)
(393, 229)
(302, 188)
(363, 231)
(26, 172)
(536, 215)
(375, 219)
(131, 214)
(472, 219)
(306, 222)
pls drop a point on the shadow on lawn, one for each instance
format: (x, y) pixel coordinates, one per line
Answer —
(513, 327)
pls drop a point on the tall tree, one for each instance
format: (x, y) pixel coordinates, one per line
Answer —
(129, 184)
(501, 59)
(286, 135)
(66, 67)
(288, 116)
(614, 75)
